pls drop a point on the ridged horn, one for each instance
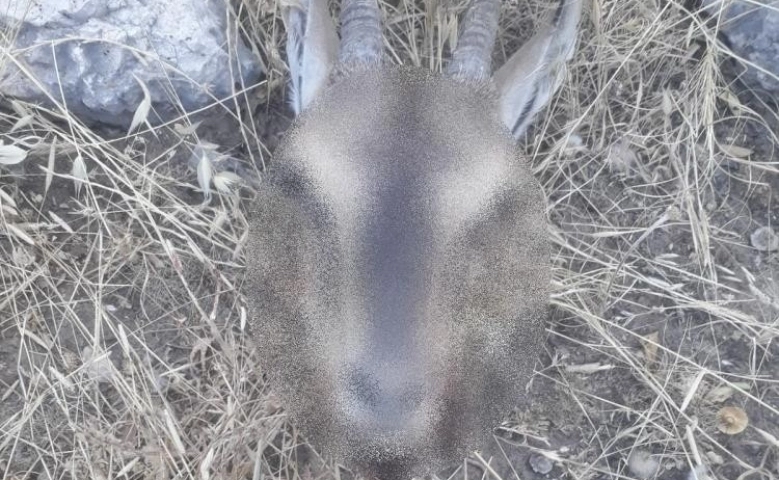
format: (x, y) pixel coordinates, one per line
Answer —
(361, 41)
(473, 56)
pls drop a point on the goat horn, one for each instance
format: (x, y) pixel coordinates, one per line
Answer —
(473, 56)
(361, 41)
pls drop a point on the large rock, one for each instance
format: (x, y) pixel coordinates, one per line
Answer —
(752, 30)
(93, 51)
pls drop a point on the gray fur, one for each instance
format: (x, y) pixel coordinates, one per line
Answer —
(398, 269)
(358, 266)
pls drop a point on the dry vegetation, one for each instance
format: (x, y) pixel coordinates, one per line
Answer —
(123, 349)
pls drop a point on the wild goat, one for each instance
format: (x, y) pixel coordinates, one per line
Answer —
(398, 262)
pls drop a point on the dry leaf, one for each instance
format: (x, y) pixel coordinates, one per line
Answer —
(174, 433)
(650, 343)
(720, 394)
(50, 169)
(225, 182)
(204, 172)
(22, 122)
(18, 232)
(19, 108)
(79, 172)
(692, 389)
(733, 102)
(142, 112)
(768, 437)
(736, 151)
(201, 257)
(62, 379)
(11, 154)
(588, 368)
(127, 468)
(98, 366)
(200, 349)
(175, 260)
(186, 129)
(9, 210)
(59, 221)
(622, 158)
(205, 465)
(668, 104)
(6, 198)
(22, 257)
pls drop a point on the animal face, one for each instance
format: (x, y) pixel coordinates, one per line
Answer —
(397, 267)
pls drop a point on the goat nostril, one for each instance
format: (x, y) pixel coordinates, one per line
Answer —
(364, 387)
(412, 397)
(383, 399)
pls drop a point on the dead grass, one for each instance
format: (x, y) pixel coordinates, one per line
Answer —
(123, 351)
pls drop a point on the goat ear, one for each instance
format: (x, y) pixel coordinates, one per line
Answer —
(532, 75)
(312, 49)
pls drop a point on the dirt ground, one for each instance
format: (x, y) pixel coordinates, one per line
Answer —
(124, 350)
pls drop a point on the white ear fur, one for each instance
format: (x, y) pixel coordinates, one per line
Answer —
(312, 49)
(531, 76)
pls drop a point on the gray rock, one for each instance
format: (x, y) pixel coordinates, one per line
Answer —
(752, 29)
(93, 50)
(540, 464)
(765, 239)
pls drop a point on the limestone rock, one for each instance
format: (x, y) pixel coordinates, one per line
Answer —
(752, 31)
(91, 55)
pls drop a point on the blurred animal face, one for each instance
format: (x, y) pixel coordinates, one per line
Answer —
(397, 263)
(406, 242)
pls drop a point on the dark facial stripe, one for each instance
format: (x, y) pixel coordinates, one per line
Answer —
(395, 242)
(398, 234)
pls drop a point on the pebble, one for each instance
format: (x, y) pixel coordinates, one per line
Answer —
(540, 464)
(765, 239)
(642, 464)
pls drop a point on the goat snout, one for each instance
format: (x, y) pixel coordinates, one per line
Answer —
(383, 396)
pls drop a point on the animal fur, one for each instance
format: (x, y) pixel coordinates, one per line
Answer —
(398, 270)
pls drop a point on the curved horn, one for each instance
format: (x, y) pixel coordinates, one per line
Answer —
(361, 41)
(532, 75)
(473, 56)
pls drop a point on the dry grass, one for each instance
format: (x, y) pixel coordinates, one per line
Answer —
(123, 351)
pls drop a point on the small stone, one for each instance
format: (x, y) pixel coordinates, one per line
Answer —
(765, 239)
(752, 30)
(642, 464)
(715, 458)
(22, 257)
(98, 366)
(96, 54)
(540, 464)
